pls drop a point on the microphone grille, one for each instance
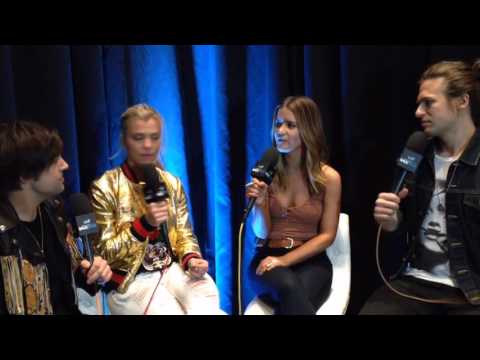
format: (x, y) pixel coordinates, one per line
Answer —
(151, 177)
(417, 142)
(270, 158)
(80, 204)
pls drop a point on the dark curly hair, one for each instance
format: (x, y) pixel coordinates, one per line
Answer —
(26, 150)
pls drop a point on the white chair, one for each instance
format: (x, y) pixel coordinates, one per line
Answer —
(339, 255)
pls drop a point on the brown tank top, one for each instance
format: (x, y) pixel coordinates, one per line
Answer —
(299, 222)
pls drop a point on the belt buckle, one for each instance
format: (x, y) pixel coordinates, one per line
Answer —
(289, 246)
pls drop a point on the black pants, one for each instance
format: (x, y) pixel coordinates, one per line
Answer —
(296, 290)
(385, 302)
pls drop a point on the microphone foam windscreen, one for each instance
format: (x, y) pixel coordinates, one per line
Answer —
(80, 204)
(150, 176)
(417, 142)
(269, 159)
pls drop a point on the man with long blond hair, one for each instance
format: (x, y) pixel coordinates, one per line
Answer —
(439, 209)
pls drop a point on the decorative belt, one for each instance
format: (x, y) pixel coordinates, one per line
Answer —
(286, 243)
(118, 276)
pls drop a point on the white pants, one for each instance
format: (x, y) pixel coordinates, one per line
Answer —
(176, 294)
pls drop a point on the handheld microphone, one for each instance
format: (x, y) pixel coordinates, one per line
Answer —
(408, 161)
(410, 158)
(84, 224)
(264, 170)
(84, 221)
(155, 191)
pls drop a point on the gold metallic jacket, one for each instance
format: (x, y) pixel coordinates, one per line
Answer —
(117, 203)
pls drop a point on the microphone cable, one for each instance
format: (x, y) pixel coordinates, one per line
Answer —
(412, 297)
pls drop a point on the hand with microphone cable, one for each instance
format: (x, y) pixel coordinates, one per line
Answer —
(98, 272)
(262, 174)
(257, 190)
(95, 268)
(157, 213)
(387, 206)
(257, 193)
(156, 197)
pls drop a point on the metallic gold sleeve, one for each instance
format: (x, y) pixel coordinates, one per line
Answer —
(186, 241)
(116, 244)
(75, 256)
(117, 203)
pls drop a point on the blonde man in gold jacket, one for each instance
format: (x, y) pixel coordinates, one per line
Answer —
(152, 276)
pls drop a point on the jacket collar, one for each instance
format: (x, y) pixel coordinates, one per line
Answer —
(8, 216)
(471, 154)
(129, 173)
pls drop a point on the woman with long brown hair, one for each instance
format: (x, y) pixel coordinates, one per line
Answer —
(295, 218)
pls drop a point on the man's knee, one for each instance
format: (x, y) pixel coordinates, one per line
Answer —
(385, 302)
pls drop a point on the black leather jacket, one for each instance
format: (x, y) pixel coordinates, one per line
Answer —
(462, 200)
(14, 243)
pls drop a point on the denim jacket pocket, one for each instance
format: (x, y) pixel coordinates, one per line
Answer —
(472, 200)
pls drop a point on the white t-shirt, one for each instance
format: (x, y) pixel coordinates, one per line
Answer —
(433, 232)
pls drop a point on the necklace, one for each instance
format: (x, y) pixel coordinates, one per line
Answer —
(39, 244)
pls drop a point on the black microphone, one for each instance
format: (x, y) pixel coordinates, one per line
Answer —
(410, 158)
(264, 170)
(155, 190)
(84, 221)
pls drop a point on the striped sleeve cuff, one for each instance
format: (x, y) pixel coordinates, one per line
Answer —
(141, 229)
(187, 258)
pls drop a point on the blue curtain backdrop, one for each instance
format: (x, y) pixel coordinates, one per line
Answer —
(217, 102)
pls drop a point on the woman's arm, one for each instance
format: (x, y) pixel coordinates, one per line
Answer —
(260, 212)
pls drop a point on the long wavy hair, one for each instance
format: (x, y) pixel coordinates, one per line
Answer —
(314, 146)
